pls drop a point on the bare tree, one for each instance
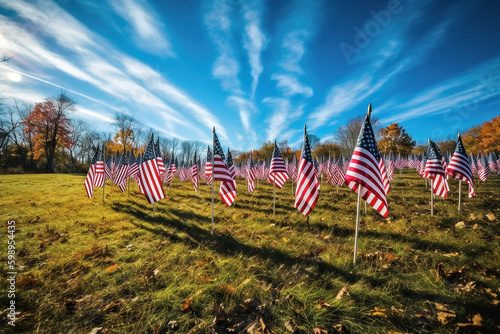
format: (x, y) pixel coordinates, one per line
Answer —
(78, 129)
(347, 135)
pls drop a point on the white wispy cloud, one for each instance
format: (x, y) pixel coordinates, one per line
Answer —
(290, 85)
(461, 95)
(245, 109)
(147, 27)
(378, 72)
(254, 42)
(90, 59)
(283, 115)
(293, 50)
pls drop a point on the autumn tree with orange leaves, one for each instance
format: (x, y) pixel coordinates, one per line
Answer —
(50, 128)
(395, 140)
(484, 138)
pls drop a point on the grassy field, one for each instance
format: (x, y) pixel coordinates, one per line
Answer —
(83, 264)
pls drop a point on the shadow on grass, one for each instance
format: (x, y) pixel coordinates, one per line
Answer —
(225, 244)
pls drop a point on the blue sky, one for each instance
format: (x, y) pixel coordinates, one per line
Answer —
(258, 70)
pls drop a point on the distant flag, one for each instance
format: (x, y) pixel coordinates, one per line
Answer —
(483, 168)
(227, 190)
(292, 168)
(121, 174)
(172, 169)
(126, 161)
(91, 175)
(251, 175)
(149, 175)
(99, 171)
(365, 169)
(434, 170)
(473, 165)
(108, 173)
(459, 166)
(220, 170)
(159, 160)
(338, 175)
(278, 173)
(208, 166)
(194, 173)
(306, 194)
(492, 162)
(137, 175)
(133, 168)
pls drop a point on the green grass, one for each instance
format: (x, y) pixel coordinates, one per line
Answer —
(68, 245)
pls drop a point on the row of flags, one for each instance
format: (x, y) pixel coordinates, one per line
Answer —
(366, 172)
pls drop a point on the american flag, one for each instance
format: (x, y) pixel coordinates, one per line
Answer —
(338, 175)
(364, 169)
(220, 169)
(121, 173)
(159, 160)
(194, 173)
(137, 175)
(133, 168)
(227, 190)
(390, 169)
(328, 168)
(492, 162)
(99, 170)
(149, 175)
(434, 170)
(459, 166)
(385, 178)
(208, 166)
(251, 175)
(306, 194)
(483, 168)
(91, 175)
(108, 172)
(172, 169)
(473, 165)
(277, 174)
(127, 162)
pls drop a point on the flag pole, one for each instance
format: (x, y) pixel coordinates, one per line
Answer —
(104, 161)
(432, 200)
(459, 193)
(212, 183)
(274, 200)
(356, 236)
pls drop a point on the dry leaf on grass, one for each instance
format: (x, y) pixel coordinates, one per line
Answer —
(343, 292)
(379, 312)
(112, 268)
(187, 304)
(318, 330)
(321, 304)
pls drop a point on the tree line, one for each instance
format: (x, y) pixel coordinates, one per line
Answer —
(44, 138)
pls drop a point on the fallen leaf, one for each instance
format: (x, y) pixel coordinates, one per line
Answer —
(288, 326)
(343, 292)
(285, 240)
(477, 320)
(186, 305)
(389, 256)
(450, 254)
(379, 312)
(113, 306)
(321, 304)
(318, 330)
(156, 272)
(460, 225)
(491, 216)
(444, 315)
(112, 268)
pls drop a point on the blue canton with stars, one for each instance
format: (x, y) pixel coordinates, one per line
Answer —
(229, 158)
(306, 149)
(276, 153)
(433, 151)
(366, 138)
(460, 146)
(217, 148)
(209, 153)
(150, 152)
